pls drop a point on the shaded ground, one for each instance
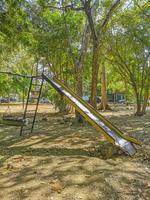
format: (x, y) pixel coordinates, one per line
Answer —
(61, 162)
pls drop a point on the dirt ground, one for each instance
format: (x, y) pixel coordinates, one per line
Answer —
(63, 161)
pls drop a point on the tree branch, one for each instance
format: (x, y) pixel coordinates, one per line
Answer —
(88, 12)
(141, 9)
(67, 7)
(107, 18)
(84, 43)
(69, 39)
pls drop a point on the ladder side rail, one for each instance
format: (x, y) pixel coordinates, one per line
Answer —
(37, 106)
(24, 116)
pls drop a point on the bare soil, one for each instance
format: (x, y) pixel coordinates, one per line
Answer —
(62, 160)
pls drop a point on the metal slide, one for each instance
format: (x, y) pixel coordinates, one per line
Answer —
(111, 133)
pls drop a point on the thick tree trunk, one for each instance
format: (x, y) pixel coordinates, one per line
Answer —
(138, 106)
(104, 102)
(138, 110)
(95, 68)
(97, 36)
(146, 97)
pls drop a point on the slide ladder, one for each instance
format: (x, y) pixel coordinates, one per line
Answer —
(32, 103)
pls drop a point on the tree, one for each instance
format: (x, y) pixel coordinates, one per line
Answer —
(129, 41)
(104, 102)
(98, 31)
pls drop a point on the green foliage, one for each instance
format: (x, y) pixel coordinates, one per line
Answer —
(57, 100)
(127, 44)
(31, 31)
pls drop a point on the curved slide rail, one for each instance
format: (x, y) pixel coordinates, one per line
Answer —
(112, 134)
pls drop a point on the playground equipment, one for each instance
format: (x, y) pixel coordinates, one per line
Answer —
(34, 94)
(111, 133)
(8, 118)
(102, 125)
(26, 122)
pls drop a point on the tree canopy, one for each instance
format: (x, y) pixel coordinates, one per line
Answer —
(75, 40)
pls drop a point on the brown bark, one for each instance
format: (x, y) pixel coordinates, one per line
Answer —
(80, 66)
(138, 105)
(79, 82)
(146, 97)
(146, 91)
(97, 37)
(104, 102)
(79, 88)
(138, 110)
(60, 68)
(95, 68)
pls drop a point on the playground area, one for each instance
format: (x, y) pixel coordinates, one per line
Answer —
(74, 100)
(65, 161)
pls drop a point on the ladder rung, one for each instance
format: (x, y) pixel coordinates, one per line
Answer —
(30, 117)
(37, 77)
(34, 98)
(29, 131)
(36, 84)
(35, 90)
(30, 122)
(27, 127)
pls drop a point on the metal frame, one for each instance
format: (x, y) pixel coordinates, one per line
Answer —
(21, 75)
(24, 123)
(15, 74)
(24, 116)
(27, 103)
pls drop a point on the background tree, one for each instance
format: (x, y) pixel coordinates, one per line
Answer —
(74, 38)
(128, 42)
(98, 30)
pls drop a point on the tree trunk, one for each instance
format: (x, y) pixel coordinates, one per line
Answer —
(60, 71)
(146, 97)
(80, 66)
(23, 96)
(79, 81)
(96, 37)
(95, 68)
(138, 106)
(104, 102)
(79, 89)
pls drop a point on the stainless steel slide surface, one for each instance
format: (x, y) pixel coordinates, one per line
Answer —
(102, 125)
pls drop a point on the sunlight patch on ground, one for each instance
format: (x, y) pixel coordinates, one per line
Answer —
(55, 163)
